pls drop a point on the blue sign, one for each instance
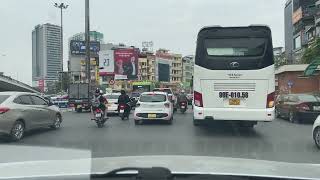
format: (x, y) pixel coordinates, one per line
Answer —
(79, 47)
(290, 84)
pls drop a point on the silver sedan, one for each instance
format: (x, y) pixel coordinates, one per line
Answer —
(20, 112)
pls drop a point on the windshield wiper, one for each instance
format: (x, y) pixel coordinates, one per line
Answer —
(154, 173)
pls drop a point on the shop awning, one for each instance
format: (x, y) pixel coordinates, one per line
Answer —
(313, 66)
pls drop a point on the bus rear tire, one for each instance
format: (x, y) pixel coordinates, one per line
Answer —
(248, 124)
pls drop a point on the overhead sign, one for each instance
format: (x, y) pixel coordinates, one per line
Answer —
(106, 61)
(79, 47)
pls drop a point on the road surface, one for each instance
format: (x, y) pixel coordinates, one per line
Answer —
(278, 141)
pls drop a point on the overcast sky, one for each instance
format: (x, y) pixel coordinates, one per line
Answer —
(171, 24)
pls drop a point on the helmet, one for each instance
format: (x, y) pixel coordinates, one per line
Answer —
(101, 92)
(97, 91)
(123, 92)
(182, 91)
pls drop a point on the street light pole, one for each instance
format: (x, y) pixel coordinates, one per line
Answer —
(87, 39)
(61, 6)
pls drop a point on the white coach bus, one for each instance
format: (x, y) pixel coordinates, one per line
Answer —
(234, 75)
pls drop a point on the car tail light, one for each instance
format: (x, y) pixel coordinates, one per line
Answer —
(167, 105)
(270, 100)
(4, 110)
(198, 99)
(303, 107)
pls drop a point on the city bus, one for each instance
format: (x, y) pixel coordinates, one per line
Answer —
(234, 75)
(142, 86)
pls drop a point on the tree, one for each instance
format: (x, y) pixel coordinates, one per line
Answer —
(280, 60)
(312, 52)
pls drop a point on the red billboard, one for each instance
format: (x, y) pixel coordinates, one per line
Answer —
(126, 63)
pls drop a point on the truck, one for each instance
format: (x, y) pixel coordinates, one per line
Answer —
(80, 97)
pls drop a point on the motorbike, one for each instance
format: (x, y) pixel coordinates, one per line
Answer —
(99, 117)
(124, 111)
(183, 107)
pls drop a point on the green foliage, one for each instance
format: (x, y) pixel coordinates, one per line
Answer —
(280, 60)
(312, 52)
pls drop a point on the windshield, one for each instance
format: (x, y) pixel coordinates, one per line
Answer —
(235, 47)
(308, 98)
(163, 90)
(212, 78)
(153, 98)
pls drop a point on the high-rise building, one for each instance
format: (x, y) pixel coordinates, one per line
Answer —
(46, 54)
(288, 30)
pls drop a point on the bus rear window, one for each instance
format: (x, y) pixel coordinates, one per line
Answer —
(235, 47)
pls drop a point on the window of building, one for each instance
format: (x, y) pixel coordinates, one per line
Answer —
(297, 42)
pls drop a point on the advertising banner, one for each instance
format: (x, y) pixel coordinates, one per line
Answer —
(106, 62)
(79, 47)
(126, 63)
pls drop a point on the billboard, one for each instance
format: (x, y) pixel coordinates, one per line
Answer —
(79, 47)
(126, 63)
(164, 72)
(297, 15)
(106, 62)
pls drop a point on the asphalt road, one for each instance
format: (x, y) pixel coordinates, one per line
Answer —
(278, 141)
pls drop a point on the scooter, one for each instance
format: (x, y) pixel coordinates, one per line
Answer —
(99, 117)
(124, 111)
(183, 107)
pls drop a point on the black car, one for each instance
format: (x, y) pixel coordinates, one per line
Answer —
(298, 107)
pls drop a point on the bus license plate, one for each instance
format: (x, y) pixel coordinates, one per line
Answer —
(234, 102)
(152, 115)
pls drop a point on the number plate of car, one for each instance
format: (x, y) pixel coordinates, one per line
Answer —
(152, 115)
(234, 102)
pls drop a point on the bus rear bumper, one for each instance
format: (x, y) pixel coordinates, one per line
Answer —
(233, 114)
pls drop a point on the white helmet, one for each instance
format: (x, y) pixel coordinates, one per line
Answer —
(182, 91)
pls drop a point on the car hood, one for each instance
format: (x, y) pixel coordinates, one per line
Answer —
(18, 161)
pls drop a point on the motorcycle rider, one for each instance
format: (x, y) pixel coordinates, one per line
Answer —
(124, 99)
(182, 97)
(100, 102)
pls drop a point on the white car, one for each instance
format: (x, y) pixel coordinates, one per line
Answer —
(316, 132)
(153, 106)
(112, 106)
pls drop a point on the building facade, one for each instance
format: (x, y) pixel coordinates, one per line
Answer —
(46, 54)
(303, 18)
(288, 30)
(187, 75)
(290, 79)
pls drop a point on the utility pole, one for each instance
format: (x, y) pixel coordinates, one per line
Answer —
(87, 39)
(61, 6)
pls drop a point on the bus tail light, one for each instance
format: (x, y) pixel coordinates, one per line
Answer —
(270, 100)
(198, 99)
